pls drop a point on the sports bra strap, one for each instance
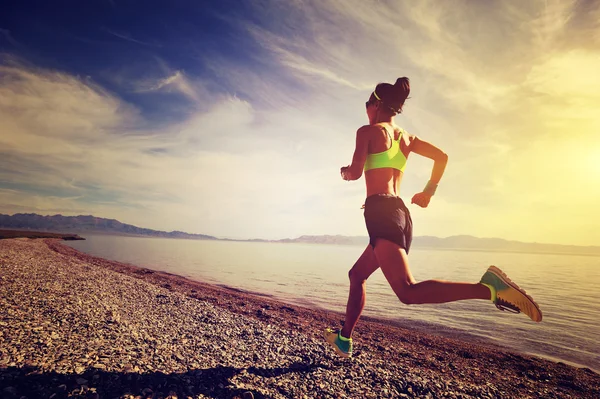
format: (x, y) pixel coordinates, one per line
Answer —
(388, 133)
(391, 136)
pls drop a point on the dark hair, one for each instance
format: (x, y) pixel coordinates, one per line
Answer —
(392, 96)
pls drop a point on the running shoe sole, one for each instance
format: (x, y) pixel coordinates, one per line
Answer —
(537, 314)
(330, 337)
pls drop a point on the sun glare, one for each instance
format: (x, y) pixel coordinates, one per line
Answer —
(592, 164)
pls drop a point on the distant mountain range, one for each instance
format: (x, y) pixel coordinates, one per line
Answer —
(459, 242)
(86, 224)
(96, 225)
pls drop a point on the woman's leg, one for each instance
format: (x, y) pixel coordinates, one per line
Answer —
(360, 272)
(394, 264)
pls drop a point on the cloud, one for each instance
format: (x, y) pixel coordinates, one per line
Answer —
(126, 36)
(6, 35)
(58, 104)
(73, 146)
(176, 81)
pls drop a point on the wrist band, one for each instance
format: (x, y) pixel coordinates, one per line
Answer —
(430, 188)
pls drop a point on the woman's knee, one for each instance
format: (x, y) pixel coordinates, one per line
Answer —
(406, 294)
(355, 277)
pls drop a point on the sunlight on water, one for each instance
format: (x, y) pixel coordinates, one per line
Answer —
(317, 275)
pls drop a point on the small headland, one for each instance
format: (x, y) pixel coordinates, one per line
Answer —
(38, 234)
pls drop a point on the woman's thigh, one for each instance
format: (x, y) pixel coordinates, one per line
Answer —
(365, 265)
(393, 261)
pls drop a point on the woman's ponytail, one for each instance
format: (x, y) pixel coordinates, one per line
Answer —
(401, 89)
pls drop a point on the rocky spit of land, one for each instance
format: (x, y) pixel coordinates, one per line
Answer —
(37, 234)
(74, 325)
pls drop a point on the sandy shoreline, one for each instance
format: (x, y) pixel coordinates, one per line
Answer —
(74, 325)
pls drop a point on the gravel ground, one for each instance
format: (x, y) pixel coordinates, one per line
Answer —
(73, 325)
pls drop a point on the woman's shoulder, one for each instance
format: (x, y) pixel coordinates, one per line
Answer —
(367, 129)
(406, 137)
(385, 128)
(404, 132)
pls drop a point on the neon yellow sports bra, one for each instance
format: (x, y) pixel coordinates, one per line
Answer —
(391, 158)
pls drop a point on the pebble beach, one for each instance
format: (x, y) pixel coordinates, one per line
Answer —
(74, 325)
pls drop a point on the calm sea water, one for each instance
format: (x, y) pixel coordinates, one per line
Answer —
(315, 275)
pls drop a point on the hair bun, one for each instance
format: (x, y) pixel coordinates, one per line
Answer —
(402, 88)
(403, 81)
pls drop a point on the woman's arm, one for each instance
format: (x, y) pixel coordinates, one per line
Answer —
(440, 159)
(355, 170)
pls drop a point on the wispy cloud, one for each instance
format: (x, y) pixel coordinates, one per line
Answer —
(128, 37)
(175, 82)
(81, 139)
(5, 35)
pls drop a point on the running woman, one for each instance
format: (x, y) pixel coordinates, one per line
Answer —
(382, 149)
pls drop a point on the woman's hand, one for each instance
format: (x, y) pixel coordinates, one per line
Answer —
(344, 171)
(421, 199)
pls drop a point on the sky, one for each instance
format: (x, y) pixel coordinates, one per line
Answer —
(233, 118)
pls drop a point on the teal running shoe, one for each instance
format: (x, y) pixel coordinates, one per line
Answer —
(342, 346)
(507, 295)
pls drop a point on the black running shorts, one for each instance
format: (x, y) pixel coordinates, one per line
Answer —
(387, 217)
